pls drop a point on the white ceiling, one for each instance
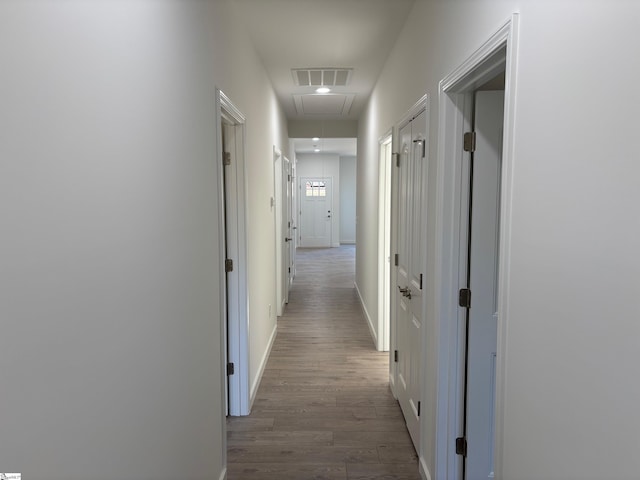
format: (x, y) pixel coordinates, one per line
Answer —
(356, 34)
(345, 147)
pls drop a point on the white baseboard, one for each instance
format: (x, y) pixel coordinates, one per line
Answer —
(372, 330)
(223, 474)
(424, 470)
(263, 363)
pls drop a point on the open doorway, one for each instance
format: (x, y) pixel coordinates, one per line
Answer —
(283, 190)
(233, 228)
(479, 297)
(384, 242)
(329, 165)
(474, 182)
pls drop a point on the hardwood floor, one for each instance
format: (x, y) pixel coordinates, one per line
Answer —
(324, 410)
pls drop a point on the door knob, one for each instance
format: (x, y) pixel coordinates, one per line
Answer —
(287, 239)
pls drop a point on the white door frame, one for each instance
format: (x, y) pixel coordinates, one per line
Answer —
(287, 226)
(300, 203)
(234, 300)
(294, 213)
(278, 219)
(498, 53)
(384, 240)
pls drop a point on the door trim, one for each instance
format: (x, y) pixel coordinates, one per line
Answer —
(301, 180)
(287, 226)
(499, 52)
(278, 159)
(237, 349)
(385, 169)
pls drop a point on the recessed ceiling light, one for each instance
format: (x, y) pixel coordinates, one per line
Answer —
(316, 139)
(323, 90)
(316, 150)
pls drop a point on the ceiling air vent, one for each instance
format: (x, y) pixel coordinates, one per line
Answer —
(321, 77)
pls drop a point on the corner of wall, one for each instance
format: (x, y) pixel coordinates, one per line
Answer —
(424, 469)
(372, 329)
(263, 363)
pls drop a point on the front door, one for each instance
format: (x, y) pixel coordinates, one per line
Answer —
(411, 251)
(315, 212)
(482, 314)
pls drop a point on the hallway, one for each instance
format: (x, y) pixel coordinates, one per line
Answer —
(324, 409)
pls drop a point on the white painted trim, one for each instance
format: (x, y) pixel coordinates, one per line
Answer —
(417, 108)
(480, 66)
(506, 223)
(374, 336)
(276, 206)
(229, 111)
(237, 289)
(424, 469)
(393, 366)
(223, 474)
(263, 364)
(385, 144)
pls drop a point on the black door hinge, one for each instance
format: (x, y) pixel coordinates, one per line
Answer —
(461, 446)
(420, 281)
(396, 259)
(397, 155)
(231, 368)
(395, 355)
(469, 143)
(418, 408)
(464, 298)
(228, 265)
(226, 158)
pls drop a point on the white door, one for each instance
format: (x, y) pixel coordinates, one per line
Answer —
(288, 253)
(483, 283)
(315, 212)
(411, 248)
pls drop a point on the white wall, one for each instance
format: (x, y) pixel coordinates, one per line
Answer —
(324, 165)
(348, 199)
(250, 89)
(109, 294)
(571, 333)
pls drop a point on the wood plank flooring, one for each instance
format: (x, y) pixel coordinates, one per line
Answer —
(324, 410)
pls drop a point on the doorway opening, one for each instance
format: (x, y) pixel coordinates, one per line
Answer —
(233, 230)
(384, 242)
(282, 187)
(473, 224)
